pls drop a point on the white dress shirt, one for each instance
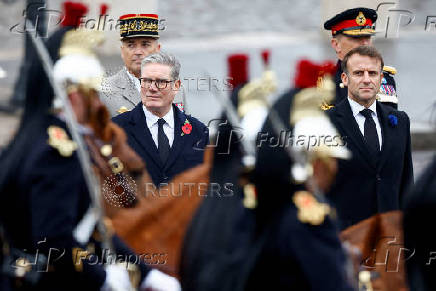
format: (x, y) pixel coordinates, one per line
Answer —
(152, 125)
(360, 119)
(134, 80)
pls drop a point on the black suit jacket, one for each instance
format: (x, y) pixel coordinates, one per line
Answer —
(366, 185)
(186, 152)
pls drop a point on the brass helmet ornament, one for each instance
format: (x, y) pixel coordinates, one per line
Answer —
(78, 65)
(310, 123)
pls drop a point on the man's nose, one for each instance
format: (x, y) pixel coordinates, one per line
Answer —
(138, 51)
(153, 86)
(364, 41)
(366, 77)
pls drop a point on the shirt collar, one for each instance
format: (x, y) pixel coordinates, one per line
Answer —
(356, 107)
(152, 119)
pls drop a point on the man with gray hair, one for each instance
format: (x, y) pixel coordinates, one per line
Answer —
(168, 140)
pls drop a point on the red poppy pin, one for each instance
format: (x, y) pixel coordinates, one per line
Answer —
(186, 128)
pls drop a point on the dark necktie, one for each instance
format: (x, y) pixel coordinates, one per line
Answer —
(370, 131)
(162, 141)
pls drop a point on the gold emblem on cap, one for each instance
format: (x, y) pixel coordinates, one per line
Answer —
(58, 138)
(360, 19)
(309, 209)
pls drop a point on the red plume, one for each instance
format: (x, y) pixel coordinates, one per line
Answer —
(73, 12)
(238, 69)
(265, 57)
(103, 8)
(307, 73)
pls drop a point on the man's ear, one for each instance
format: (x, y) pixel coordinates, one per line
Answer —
(335, 45)
(158, 48)
(177, 84)
(344, 78)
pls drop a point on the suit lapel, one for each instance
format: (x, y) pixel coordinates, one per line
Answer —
(351, 129)
(142, 134)
(179, 119)
(387, 134)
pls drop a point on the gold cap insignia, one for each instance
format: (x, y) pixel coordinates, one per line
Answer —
(58, 138)
(360, 19)
(309, 209)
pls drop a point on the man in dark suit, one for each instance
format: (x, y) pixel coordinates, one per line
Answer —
(380, 171)
(168, 140)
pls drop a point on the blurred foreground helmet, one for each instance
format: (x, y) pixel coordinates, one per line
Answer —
(78, 65)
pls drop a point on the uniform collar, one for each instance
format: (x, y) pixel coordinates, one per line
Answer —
(134, 80)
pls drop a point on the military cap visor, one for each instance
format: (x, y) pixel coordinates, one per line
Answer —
(139, 25)
(354, 22)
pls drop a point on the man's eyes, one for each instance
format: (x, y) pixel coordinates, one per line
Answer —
(144, 44)
(370, 73)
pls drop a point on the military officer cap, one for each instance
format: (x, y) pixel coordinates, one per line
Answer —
(139, 25)
(354, 22)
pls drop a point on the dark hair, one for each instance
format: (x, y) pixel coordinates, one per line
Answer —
(364, 50)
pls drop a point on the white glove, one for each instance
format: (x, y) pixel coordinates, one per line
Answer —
(158, 281)
(117, 279)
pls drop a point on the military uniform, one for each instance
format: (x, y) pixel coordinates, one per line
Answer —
(359, 22)
(120, 92)
(265, 245)
(43, 204)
